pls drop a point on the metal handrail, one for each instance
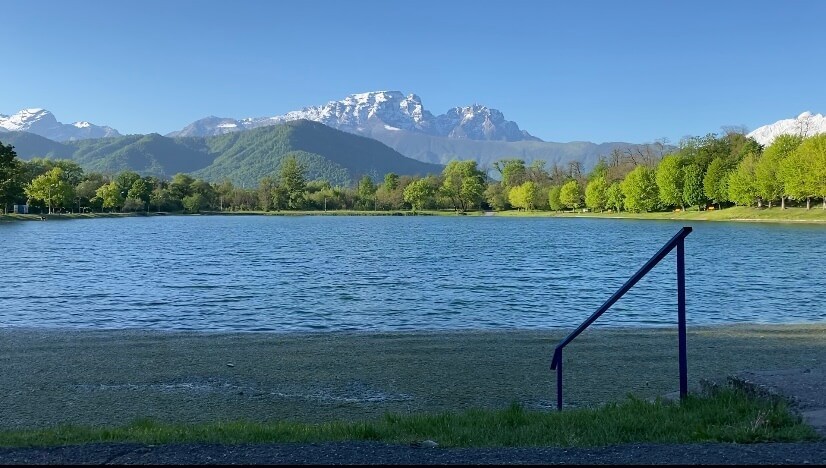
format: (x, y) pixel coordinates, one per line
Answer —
(677, 241)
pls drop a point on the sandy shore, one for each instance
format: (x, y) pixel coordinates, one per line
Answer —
(50, 377)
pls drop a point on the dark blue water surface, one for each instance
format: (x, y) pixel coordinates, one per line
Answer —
(314, 273)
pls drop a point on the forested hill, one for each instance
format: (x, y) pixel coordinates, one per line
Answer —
(244, 158)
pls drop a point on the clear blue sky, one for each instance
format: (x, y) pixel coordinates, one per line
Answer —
(576, 70)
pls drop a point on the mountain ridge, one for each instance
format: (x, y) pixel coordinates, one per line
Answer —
(361, 113)
(806, 124)
(244, 158)
(42, 122)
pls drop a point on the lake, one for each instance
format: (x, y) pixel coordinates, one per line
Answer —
(319, 273)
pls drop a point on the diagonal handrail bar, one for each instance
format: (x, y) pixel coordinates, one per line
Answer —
(676, 242)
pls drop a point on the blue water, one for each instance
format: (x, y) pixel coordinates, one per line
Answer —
(261, 273)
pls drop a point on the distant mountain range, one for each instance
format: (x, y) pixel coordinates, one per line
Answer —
(244, 158)
(397, 120)
(806, 124)
(390, 117)
(381, 111)
(401, 122)
(42, 122)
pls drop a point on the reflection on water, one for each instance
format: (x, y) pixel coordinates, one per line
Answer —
(256, 273)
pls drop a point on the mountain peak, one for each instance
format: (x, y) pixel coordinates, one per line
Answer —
(373, 113)
(42, 122)
(806, 124)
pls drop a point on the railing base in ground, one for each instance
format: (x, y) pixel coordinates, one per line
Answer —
(677, 241)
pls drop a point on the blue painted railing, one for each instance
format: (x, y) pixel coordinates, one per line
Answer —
(677, 241)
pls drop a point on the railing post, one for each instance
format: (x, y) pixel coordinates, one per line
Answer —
(681, 317)
(559, 381)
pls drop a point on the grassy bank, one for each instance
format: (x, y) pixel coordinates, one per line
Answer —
(109, 378)
(725, 416)
(737, 213)
(815, 215)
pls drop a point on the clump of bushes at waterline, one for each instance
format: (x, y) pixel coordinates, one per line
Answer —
(727, 415)
(724, 170)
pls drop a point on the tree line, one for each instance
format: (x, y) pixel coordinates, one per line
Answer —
(721, 170)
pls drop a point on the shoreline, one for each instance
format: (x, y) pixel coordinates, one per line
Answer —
(815, 216)
(112, 377)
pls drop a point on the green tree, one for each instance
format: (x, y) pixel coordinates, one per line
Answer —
(571, 195)
(194, 203)
(140, 190)
(125, 179)
(614, 197)
(496, 197)
(525, 196)
(367, 192)
(693, 192)
(596, 193)
(52, 188)
(802, 171)
(85, 190)
(742, 183)
(292, 178)
(554, 201)
(162, 199)
(419, 193)
(640, 189)
(110, 195)
(181, 186)
(463, 184)
(391, 181)
(513, 172)
(767, 171)
(715, 182)
(670, 180)
(11, 176)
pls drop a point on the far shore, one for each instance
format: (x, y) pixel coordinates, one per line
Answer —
(796, 215)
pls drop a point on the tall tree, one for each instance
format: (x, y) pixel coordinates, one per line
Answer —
(554, 203)
(110, 196)
(801, 170)
(767, 171)
(463, 184)
(513, 172)
(367, 192)
(640, 189)
(294, 182)
(670, 180)
(524, 196)
(693, 193)
(11, 176)
(614, 197)
(391, 181)
(571, 195)
(419, 193)
(742, 183)
(52, 188)
(596, 193)
(715, 182)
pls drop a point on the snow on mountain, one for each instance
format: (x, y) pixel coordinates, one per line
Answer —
(381, 111)
(806, 124)
(42, 122)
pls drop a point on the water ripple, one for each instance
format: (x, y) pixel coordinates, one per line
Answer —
(397, 273)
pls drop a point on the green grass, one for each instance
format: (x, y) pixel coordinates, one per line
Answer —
(736, 213)
(728, 415)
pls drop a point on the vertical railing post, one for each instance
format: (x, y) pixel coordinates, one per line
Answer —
(559, 380)
(681, 317)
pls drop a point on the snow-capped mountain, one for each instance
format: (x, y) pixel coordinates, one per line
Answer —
(381, 112)
(44, 123)
(806, 124)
